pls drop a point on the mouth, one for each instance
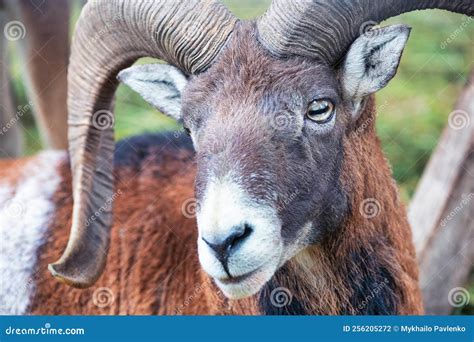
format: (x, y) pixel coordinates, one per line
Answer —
(247, 284)
(237, 279)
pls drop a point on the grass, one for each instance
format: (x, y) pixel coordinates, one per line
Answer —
(413, 108)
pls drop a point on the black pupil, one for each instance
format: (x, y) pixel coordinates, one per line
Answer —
(319, 111)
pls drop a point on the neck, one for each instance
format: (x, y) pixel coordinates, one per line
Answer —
(368, 264)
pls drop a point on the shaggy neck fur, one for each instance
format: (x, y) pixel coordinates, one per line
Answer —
(368, 264)
(364, 266)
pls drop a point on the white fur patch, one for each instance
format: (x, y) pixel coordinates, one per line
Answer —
(25, 212)
(224, 206)
(160, 85)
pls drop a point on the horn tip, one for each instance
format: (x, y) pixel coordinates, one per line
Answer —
(80, 283)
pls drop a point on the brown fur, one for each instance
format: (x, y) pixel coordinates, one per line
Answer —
(10, 170)
(228, 108)
(322, 275)
(152, 264)
(390, 228)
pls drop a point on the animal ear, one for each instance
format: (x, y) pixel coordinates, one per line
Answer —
(160, 85)
(372, 61)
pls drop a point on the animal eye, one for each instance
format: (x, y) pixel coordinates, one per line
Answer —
(320, 111)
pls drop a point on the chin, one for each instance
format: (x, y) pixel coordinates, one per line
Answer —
(249, 284)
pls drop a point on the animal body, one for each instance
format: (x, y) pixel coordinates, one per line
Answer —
(296, 208)
(153, 265)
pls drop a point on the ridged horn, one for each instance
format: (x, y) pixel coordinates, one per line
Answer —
(111, 35)
(321, 29)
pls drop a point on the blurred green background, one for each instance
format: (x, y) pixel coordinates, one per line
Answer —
(413, 109)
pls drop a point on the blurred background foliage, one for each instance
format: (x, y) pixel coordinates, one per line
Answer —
(413, 109)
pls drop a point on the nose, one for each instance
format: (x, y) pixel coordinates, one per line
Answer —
(224, 247)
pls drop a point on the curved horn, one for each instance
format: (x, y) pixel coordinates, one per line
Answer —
(322, 29)
(110, 35)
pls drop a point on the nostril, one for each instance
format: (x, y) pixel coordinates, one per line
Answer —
(240, 235)
(222, 249)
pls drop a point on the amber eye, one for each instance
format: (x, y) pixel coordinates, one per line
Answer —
(320, 111)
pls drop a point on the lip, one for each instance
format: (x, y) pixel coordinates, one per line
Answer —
(247, 284)
(238, 279)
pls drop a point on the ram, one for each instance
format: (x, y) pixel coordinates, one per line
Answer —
(296, 208)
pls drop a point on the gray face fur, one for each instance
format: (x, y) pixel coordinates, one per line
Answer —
(267, 176)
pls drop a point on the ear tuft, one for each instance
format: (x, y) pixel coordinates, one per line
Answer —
(160, 85)
(373, 60)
